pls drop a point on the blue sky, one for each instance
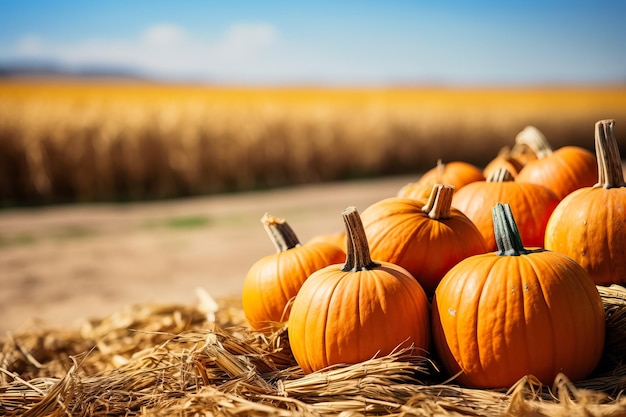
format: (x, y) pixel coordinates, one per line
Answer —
(326, 42)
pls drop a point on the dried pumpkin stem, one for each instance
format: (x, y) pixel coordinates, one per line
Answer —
(441, 169)
(507, 235)
(439, 202)
(610, 174)
(535, 140)
(282, 235)
(358, 252)
(502, 174)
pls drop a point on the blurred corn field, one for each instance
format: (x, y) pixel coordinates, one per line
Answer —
(90, 142)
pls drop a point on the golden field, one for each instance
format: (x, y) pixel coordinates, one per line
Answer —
(85, 141)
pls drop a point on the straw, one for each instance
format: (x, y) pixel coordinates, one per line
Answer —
(164, 360)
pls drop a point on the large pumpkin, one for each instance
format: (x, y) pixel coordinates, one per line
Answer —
(589, 225)
(503, 315)
(533, 204)
(352, 312)
(272, 281)
(562, 171)
(426, 238)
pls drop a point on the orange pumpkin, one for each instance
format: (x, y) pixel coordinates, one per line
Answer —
(415, 190)
(503, 315)
(272, 281)
(589, 224)
(506, 159)
(425, 239)
(514, 158)
(337, 239)
(455, 173)
(533, 204)
(562, 171)
(522, 152)
(352, 312)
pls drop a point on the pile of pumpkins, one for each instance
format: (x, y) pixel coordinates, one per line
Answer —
(441, 268)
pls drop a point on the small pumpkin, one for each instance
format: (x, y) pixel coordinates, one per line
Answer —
(336, 238)
(503, 315)
(352, 312)
(272, 281)
(514, 158)
(562, 171)
(455, 173)
(533, 204)
(505, 158)
(522, 152)
(588, 225)
(425, 238)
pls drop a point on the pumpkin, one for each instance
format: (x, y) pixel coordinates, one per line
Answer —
(455, 173)
(348, 313)
(425, 238)
(562, 171)
(589, 224)
(533, 204)
(500, 316)
(506, 159)
(522, 152)
(415, 190)
(514, 158)
(272, 281)
(336, 238)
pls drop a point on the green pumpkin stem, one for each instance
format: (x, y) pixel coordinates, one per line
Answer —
(358, 252)
(610, 174)
(507, 235)
(532, 137)
(439, 202)
(282, 235)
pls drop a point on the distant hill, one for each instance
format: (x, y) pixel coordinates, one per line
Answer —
(52, 70)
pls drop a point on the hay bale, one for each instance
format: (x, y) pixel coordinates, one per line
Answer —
(162, 360)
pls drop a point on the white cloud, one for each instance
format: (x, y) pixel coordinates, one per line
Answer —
(243, 39)
(162, 49)
(29, 45)
(164, 34)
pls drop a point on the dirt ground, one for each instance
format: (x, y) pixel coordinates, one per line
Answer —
(60, 265)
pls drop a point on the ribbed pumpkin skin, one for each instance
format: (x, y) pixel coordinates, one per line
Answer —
(511, 164)
(499, 318)
(275, 279)
(415, 190)
(337, 239)
(532, 204)
(349, 317)
(400, 232)
(455, 173)
(567, 169)
(589, 226)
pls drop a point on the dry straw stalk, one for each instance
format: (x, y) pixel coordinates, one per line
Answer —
(164, 360)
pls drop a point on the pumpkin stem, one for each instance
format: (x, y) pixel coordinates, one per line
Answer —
(358, 251)
(535, 140)
(441, 168)
(501, 174)
(279, 231)
(610, 174)
(508, 239)
(439, 202)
